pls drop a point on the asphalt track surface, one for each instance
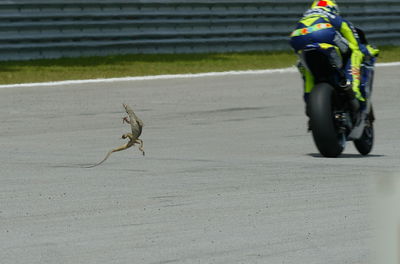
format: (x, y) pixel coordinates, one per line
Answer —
(230, 174)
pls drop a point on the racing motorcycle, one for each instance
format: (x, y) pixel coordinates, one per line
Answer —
(333, 120)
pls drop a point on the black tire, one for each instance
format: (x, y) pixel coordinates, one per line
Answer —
(366, 142)
(321, 106)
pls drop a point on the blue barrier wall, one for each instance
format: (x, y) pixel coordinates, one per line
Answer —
(69, 28)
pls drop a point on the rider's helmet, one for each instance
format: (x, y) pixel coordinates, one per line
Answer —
(327, 5)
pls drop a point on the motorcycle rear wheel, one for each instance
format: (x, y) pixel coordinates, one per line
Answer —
(328, 140)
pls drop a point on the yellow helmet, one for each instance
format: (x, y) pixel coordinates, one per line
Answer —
(327, 5)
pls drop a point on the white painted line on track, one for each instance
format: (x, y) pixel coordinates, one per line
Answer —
(154, 77)
(388, 64)
(166, 77)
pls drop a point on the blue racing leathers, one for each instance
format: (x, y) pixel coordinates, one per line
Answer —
(322, 27)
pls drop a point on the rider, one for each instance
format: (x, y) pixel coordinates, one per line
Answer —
(323, 24)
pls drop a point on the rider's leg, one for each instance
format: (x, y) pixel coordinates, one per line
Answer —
(352, 90)
(308, 80)
(354, 71)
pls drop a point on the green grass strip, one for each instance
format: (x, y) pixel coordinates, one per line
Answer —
(149, 64)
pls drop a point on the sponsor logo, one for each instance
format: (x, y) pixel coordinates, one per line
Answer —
(355, 72)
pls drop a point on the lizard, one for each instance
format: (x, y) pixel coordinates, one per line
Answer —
(136, 127)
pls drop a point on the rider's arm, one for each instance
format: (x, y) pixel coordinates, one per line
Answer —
(350, 34)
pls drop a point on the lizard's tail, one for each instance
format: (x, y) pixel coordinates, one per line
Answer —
(108, 155)
(125, 146)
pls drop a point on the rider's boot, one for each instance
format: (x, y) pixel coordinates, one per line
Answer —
(354, 103)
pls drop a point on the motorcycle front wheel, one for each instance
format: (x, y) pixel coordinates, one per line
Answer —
(365, 143)
(322, 104)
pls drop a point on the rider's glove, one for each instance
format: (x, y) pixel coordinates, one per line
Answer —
(374, 52)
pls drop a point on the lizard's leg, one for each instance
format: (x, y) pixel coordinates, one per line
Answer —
(139, 141)
(125, 119)
(127, 135)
